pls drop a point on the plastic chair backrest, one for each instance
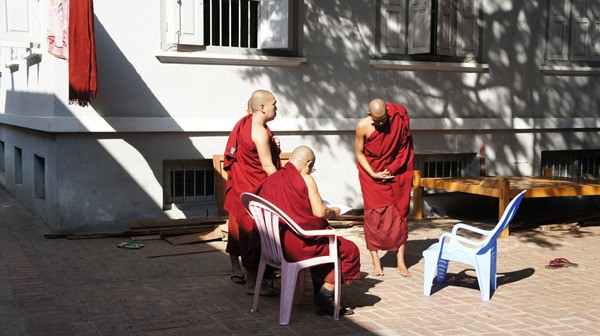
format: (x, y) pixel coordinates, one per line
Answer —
(507, 216)
(268, 217)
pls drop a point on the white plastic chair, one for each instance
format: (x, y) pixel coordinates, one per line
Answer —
(267, 217)
(479, 254)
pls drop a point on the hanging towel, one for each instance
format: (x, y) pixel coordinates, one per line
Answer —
(58, 28)
(83, 76)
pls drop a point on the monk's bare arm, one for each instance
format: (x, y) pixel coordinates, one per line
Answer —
(317, 206)
(260, 137)
(359, 150)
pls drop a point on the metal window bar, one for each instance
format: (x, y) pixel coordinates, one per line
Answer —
(223, 25)
(192, 183)
(572, 164)
(442, 168)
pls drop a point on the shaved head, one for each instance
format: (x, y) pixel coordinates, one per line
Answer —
(258, 98)
(377, 108)
(301, 156)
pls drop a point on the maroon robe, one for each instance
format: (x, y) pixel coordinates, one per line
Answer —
(287, 190)
(388, 147)
(244, 173)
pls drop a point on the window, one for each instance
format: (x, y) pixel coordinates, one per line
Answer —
(2, 158)
(445, 165)
(573, 30)
(39, 177)
(240, 24)
(437, 30)
(190, 182)
(18, 165)
(20, 24)
(574, 164)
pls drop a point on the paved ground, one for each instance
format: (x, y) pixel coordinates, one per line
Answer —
(91, 287)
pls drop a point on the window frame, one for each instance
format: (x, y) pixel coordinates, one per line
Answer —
(194, 166)
(184, 28)
(172, 52)
(401, 30)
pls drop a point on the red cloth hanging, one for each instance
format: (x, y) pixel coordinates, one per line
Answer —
(83, 75)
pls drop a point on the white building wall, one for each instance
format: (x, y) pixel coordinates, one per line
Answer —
(104, 162)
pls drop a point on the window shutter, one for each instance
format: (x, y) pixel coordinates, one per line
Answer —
(595, 34)
(190, 22)
(419, 26)
(20, 22)
(393, 27)
(446, 28)
(580, 31)
(558, 29)
(467, 24)
(274, 30)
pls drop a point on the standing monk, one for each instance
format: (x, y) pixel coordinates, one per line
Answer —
(251, 154)
(293, 190)
(384, 155)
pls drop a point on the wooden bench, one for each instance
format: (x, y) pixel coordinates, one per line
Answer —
(504, 188)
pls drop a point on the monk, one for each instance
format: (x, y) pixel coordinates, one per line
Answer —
(293, 190)
(251, 154)
(384, 156)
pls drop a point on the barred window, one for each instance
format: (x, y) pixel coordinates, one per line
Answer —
(246, 24)
(189, 182)
(573, 164)
(445, 165)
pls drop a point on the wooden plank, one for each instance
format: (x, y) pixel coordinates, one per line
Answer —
(196, 237)
(182, 253)
(461, 186)
(417, 195)
(163, 223)
(186, 230)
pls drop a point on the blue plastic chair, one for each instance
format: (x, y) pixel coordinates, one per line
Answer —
(480, 254)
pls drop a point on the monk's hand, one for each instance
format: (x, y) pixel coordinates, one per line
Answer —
(382, 175)
(333, 212)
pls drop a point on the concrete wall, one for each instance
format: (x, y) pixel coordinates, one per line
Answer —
(104, 162)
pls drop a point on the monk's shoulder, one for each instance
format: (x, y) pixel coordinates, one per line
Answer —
(364, 124)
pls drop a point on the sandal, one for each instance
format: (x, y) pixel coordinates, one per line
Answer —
(560, 263)
(566, 262)
(132, 244)
(238, 279)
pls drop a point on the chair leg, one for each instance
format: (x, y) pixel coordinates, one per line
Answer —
(259, 277)
(493, 274)
(483, 278)
(300, 282)
(442, 266)
(429, 272)
(289, 277)
(337, 294)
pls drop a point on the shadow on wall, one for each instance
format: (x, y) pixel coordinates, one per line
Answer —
(340, 37)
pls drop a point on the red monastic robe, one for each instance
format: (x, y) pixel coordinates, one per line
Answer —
(83, 73)
(244, 173)
(287, 190)
(388, 147)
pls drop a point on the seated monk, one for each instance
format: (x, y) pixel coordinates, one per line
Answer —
(293, 190)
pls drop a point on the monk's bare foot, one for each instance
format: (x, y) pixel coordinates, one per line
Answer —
(377, 273)
(403, 271)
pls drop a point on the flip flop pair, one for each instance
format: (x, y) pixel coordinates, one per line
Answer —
(560, 263)
(132, 244)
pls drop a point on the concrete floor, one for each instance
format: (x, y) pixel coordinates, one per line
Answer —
(91, 287)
